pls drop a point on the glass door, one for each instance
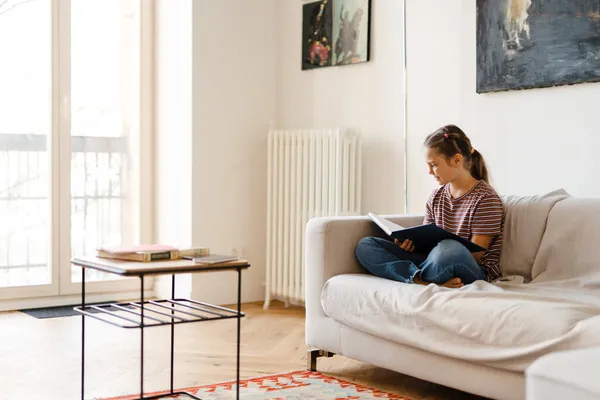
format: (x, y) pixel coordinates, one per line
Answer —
(28, 226)
(70, 137)
(104, 132)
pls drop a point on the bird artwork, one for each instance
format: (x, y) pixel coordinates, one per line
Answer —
(349, 36)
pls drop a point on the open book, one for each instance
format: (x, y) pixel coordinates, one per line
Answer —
(424, 237)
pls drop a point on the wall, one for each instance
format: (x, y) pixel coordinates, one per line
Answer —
(534, 140)
(246, 76)
(234, 103)
(366, 97)
(230, 69)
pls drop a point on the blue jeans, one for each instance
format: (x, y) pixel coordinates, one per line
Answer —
(449, 259)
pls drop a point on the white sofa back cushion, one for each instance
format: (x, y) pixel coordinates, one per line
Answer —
(570, 249)
(525, 220)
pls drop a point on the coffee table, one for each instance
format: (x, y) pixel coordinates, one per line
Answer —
(151, 313)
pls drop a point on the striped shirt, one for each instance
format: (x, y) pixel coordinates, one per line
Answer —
(477, 212)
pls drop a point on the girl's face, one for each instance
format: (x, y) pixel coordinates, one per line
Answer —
(443, 170)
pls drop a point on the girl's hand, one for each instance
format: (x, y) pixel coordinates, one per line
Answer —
(407, 245)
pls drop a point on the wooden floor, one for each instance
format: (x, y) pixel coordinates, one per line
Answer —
(40, 358)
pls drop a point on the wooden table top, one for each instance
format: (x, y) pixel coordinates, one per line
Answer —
(167, 267)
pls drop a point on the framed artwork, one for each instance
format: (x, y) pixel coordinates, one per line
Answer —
(335, 32)
(523, 44)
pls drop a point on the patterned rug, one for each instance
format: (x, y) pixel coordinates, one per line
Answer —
(291, 386)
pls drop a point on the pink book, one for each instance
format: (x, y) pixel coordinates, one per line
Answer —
(143, 248)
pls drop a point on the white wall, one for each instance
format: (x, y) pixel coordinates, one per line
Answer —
(245, 74)
(234, 102)
(534, 140)
(365, 97)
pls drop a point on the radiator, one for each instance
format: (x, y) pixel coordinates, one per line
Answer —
(311, 173)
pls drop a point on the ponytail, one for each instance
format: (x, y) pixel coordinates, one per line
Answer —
(450, 140)
(478, 168)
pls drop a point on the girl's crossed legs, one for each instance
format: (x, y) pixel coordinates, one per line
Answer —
(448, 264)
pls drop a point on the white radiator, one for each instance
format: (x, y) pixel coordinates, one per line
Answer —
(311, 173)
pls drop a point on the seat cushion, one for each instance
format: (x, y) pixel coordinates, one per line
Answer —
(503, 327)
(565, 375)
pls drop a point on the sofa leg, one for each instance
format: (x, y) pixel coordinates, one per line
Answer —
(312, 355)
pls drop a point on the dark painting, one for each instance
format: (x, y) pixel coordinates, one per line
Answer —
(524, 44)
(317, 34)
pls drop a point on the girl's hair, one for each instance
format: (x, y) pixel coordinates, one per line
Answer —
(450, 140)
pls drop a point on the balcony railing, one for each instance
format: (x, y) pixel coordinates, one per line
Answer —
(97, 197)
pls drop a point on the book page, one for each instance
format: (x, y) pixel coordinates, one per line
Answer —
(388, 226)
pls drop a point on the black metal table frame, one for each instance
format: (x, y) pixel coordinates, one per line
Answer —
(220, 312)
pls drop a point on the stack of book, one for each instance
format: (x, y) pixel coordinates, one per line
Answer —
(150, 252)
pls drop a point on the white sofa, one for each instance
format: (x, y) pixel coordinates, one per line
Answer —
(565, 375)
(480, 338)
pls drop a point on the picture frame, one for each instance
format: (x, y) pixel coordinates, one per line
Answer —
(335, 33)
(525, 44)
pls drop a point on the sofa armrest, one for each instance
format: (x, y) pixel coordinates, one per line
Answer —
(329, 251)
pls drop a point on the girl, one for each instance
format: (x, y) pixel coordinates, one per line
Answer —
(465, 204)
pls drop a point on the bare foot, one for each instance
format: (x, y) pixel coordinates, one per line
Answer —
(453, 283)
(419, 281)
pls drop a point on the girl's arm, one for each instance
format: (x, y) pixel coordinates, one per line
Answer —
(483, 241)
(487, 222)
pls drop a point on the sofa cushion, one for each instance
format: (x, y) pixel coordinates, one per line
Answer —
(524, 225)
(570, 250)
(499, 326)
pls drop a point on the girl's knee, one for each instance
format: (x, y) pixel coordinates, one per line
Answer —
(449, 251)
(365, 245)
(450, 244)
(453, 247)
(366, 242)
